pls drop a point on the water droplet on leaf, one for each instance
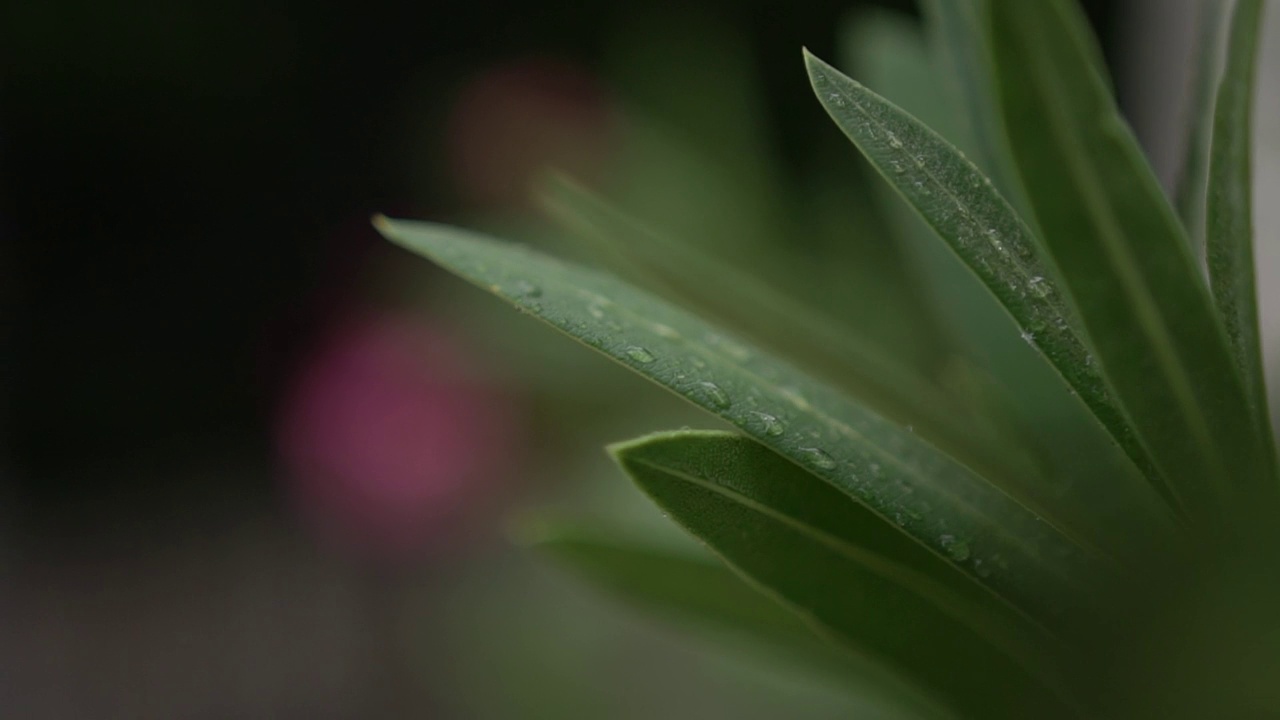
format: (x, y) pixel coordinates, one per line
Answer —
(819, 458)
(771, 425)
(957, 550)
(713, 394)
(639, 354)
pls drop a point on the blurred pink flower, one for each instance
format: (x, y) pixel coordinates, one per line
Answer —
(391, 438)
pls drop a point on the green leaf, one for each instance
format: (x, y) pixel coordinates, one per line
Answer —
(670, 582)
(891, 470)
(957, 34)
(706, 593)
(742, 302)
(1124, 259)
(754, 309)
(847, 571)
(966, 211)
(1189, 196)
(889, 50)
(1229, 229)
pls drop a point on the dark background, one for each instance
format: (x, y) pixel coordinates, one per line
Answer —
(184, 195)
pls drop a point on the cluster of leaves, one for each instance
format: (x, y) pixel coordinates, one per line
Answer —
(967, 574)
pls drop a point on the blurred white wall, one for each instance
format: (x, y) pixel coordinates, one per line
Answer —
(1153, 79)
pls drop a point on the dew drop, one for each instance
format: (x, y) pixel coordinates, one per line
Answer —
(713, 394)
(957, 550)
(819, 458)
(771, 425)
(1039, 286)
(639, 354)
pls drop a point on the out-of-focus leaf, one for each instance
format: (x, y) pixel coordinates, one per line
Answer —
(802, 542)
(961, 51)
(1229, 229)
(706, 593)
(693, 147)
(885, 46)
(1189, 196)
(1009, 547)
(1124, 259)
(975, 221)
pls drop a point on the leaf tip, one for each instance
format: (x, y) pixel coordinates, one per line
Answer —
(812, 63)
(381, 223)
(622, 450)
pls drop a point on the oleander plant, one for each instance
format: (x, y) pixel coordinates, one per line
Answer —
(910, 527)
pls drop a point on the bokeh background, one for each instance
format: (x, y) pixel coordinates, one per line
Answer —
(256, 462)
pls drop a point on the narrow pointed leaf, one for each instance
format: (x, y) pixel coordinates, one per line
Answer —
(788, 534)
(984, 231)
(754, 309)
(1123, 258)
(1230, 204)
(1189, 196)
(706, 593)
(890, 470)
